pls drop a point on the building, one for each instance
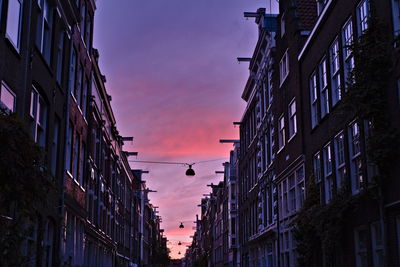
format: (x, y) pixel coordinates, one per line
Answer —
(319, 143)
(99, 213)
(337, 144)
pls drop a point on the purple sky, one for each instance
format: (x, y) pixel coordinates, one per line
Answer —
(175, 83)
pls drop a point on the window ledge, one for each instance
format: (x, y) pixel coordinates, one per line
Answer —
(292, 137)
(17, 51)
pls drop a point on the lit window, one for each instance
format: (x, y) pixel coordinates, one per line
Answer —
(7, 98)
(335, 72)
(323, 87)
(44, 29)
(362, 16)
(14, 22)
(340, 160)
(348, 58)
(281, 132)
(356, 166)
(314, 100)
(327, 159)
(284, 67)
(38, 112)
(292, 119)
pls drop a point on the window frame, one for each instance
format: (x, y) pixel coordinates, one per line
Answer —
(313, 89)
(363, 14)
(4, 86)
(284, 67)
(16, 43)
(292, 130)
(335, 77)
(340, 159)
(328, 171)
(39, 116)
(281, 133)
(323, 87)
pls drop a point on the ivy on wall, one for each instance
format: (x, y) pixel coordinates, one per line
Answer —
(319, 229)
(23, 188)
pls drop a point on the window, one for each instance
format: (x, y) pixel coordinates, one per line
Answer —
(77, 148)
(323, 87)
(72, 71)
(7, 98)
(335, 72)
(300, 188)
(283, 25)
(340, 160)
(78, 86)
(398, 91)
(321, 5)
(314, 100)
(362, 16)
(377, 244)
(327, 159)
(270, 87)
(44, 29)
(361, 244)
(14, 22)
(54, 146)
(48, 244)
(82, 22)
(31, 243)
(281, 132)
(69, 147)
(60, 57)
(284, 67)
(82, 165)
(348, 58)
(292, 119)
(317, 167)
(396, 17)
(88, 28)
(38, 112)
(291, 193)
(356, 164)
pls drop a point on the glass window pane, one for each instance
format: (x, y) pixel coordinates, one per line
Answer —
(13, 21)
(7, 98)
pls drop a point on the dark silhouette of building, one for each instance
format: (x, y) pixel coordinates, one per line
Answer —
(99, 213)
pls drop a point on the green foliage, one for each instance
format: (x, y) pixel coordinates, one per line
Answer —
(23, 185)
(319, 228)
(367, 95)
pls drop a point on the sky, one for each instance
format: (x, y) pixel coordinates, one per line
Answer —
(176, 88)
